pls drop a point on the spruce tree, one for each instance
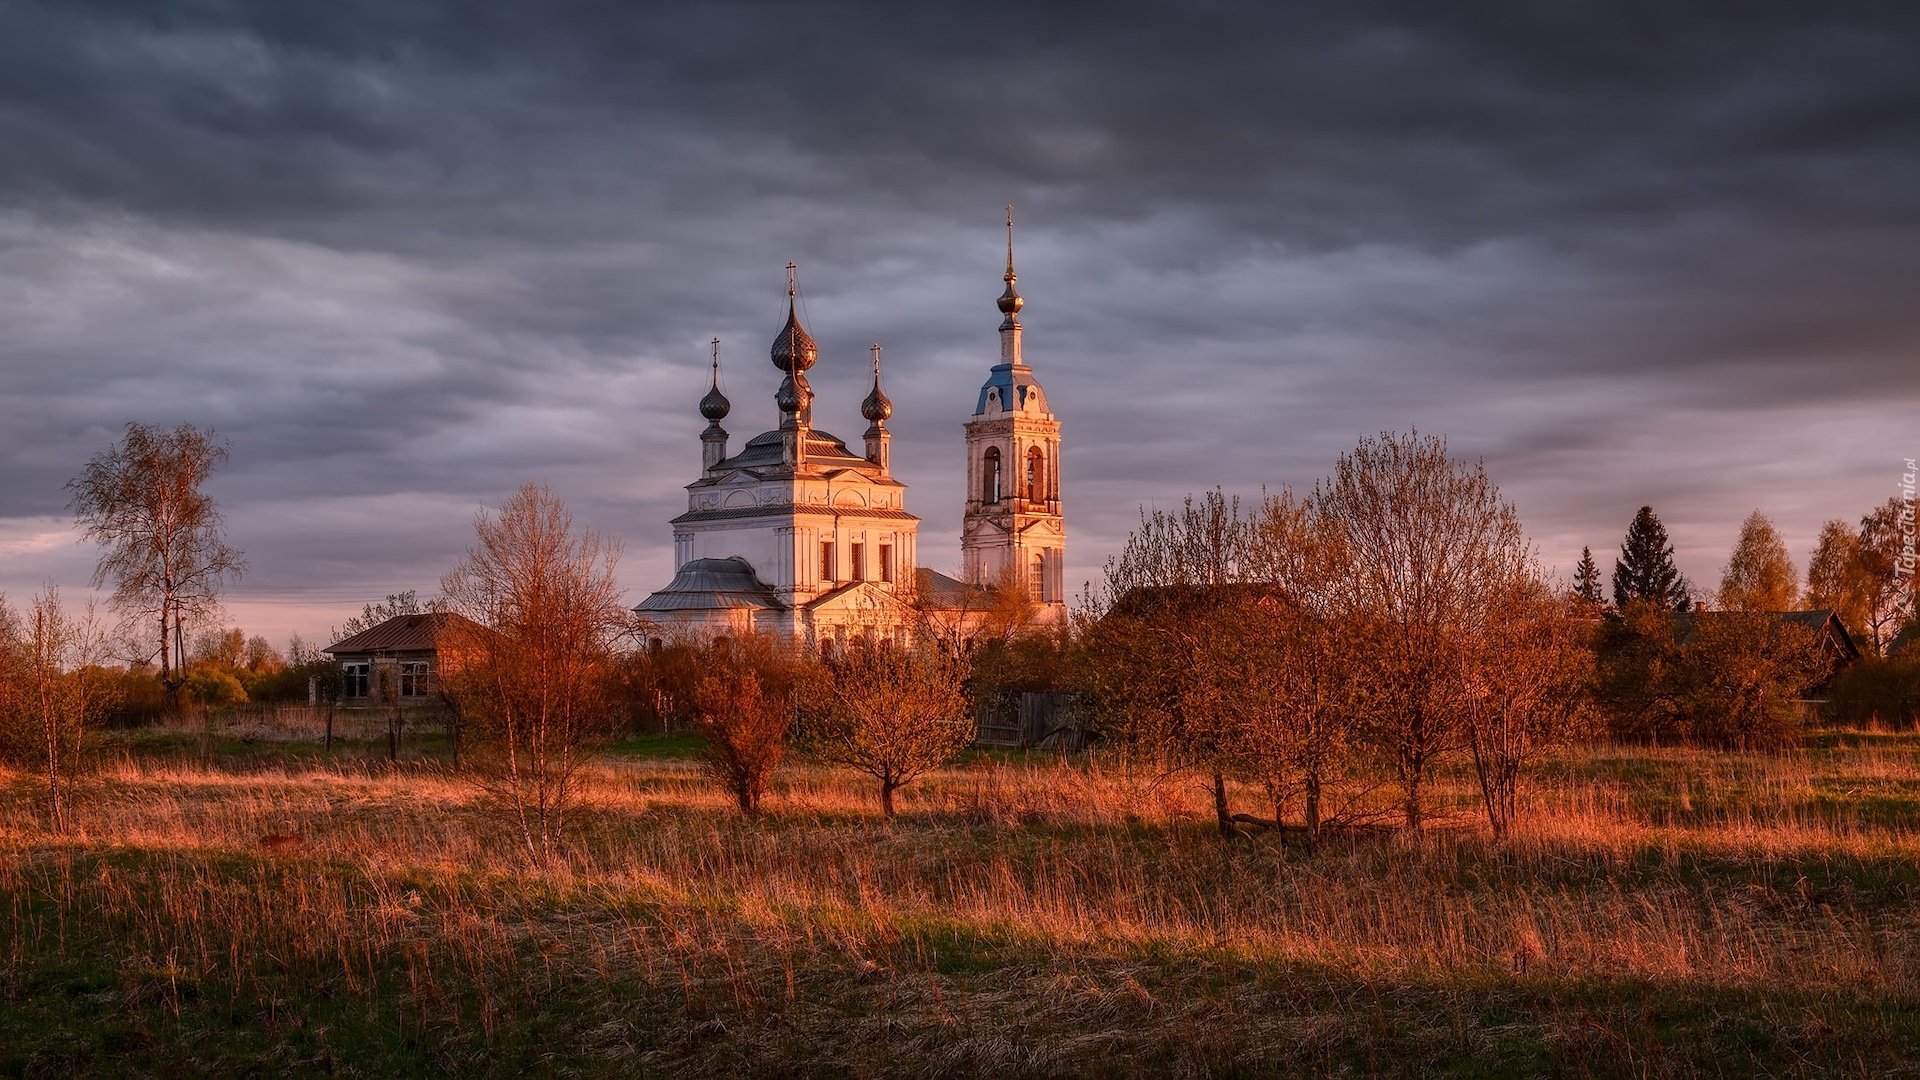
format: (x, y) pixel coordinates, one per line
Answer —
(1586, 578)
(1645, 571)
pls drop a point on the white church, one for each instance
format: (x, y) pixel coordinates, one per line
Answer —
(798, 535)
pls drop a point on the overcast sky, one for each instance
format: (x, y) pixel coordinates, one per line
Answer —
(408, 256)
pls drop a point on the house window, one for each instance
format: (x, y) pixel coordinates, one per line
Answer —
(1036, 476)
(990, 476)
(413, 678)
(886, 562)
(826, 562)
(859, 560)
(356, 678)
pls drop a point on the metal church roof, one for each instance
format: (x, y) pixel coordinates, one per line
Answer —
(712, 585)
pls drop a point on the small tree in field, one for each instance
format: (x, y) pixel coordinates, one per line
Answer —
(1527, 687)
(892, 713)
(1428, 549)
(528, 665)
(52, 692)
(743, 709)
(1149, 640)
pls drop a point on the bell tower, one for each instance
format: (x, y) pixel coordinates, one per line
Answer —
(1014, 530)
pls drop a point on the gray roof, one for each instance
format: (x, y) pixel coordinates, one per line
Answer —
(712, 585)
(937, 590)
(823, 448)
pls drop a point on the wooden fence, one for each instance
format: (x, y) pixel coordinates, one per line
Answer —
(1025, 719)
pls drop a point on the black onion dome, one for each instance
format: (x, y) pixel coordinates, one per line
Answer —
(876, 407)
(793, 394)
(715, 405)
(793, 349)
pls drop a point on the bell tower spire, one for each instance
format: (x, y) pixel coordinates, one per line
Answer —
(1010, 303)
(1014, 533)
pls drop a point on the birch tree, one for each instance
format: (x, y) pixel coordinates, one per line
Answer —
(165, 556)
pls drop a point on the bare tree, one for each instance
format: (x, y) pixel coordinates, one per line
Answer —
(1147, 639)
(1284, 665)
(1428, 545)
(372, 615)
(527, 665)
(1527, 687)
(743, 709)
(892, 713)
(1759, 575)
(141, 500)
(52, 691)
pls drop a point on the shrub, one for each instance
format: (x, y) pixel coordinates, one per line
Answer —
(1878, 691)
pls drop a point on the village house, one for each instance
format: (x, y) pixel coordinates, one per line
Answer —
(398, 662)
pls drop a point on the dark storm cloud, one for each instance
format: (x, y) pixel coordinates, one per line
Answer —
(409, 254)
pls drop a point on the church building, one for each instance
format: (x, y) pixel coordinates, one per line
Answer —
(798, 535)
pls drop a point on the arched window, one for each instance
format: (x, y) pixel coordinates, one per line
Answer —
(1036, 476)
(1037, 582)
(990, 475)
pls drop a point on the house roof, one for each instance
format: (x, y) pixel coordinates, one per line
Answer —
(1821, 621)
(937, 590)
(402, 633)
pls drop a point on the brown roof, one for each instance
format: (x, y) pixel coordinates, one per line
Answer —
(402, 633)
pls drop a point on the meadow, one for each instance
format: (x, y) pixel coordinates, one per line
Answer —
(250, 905)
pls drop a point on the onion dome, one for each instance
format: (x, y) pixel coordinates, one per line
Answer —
(1010, 302)
(715, 405)
(876, 407)
(793, 394)
(793, 349)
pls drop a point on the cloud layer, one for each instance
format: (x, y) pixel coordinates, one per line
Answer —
(410, 255)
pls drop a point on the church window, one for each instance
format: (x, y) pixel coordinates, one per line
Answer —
(826, 562)
(859, 561)
(990, 476)
(1038, 582)
(886, 562)
(1036, 476)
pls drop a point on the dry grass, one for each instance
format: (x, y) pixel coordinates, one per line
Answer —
(1661, 912)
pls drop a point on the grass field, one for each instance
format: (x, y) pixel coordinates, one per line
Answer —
(1661, 912)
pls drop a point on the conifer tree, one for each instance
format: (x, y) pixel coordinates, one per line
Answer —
(1645, 572)
(1586, 579)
